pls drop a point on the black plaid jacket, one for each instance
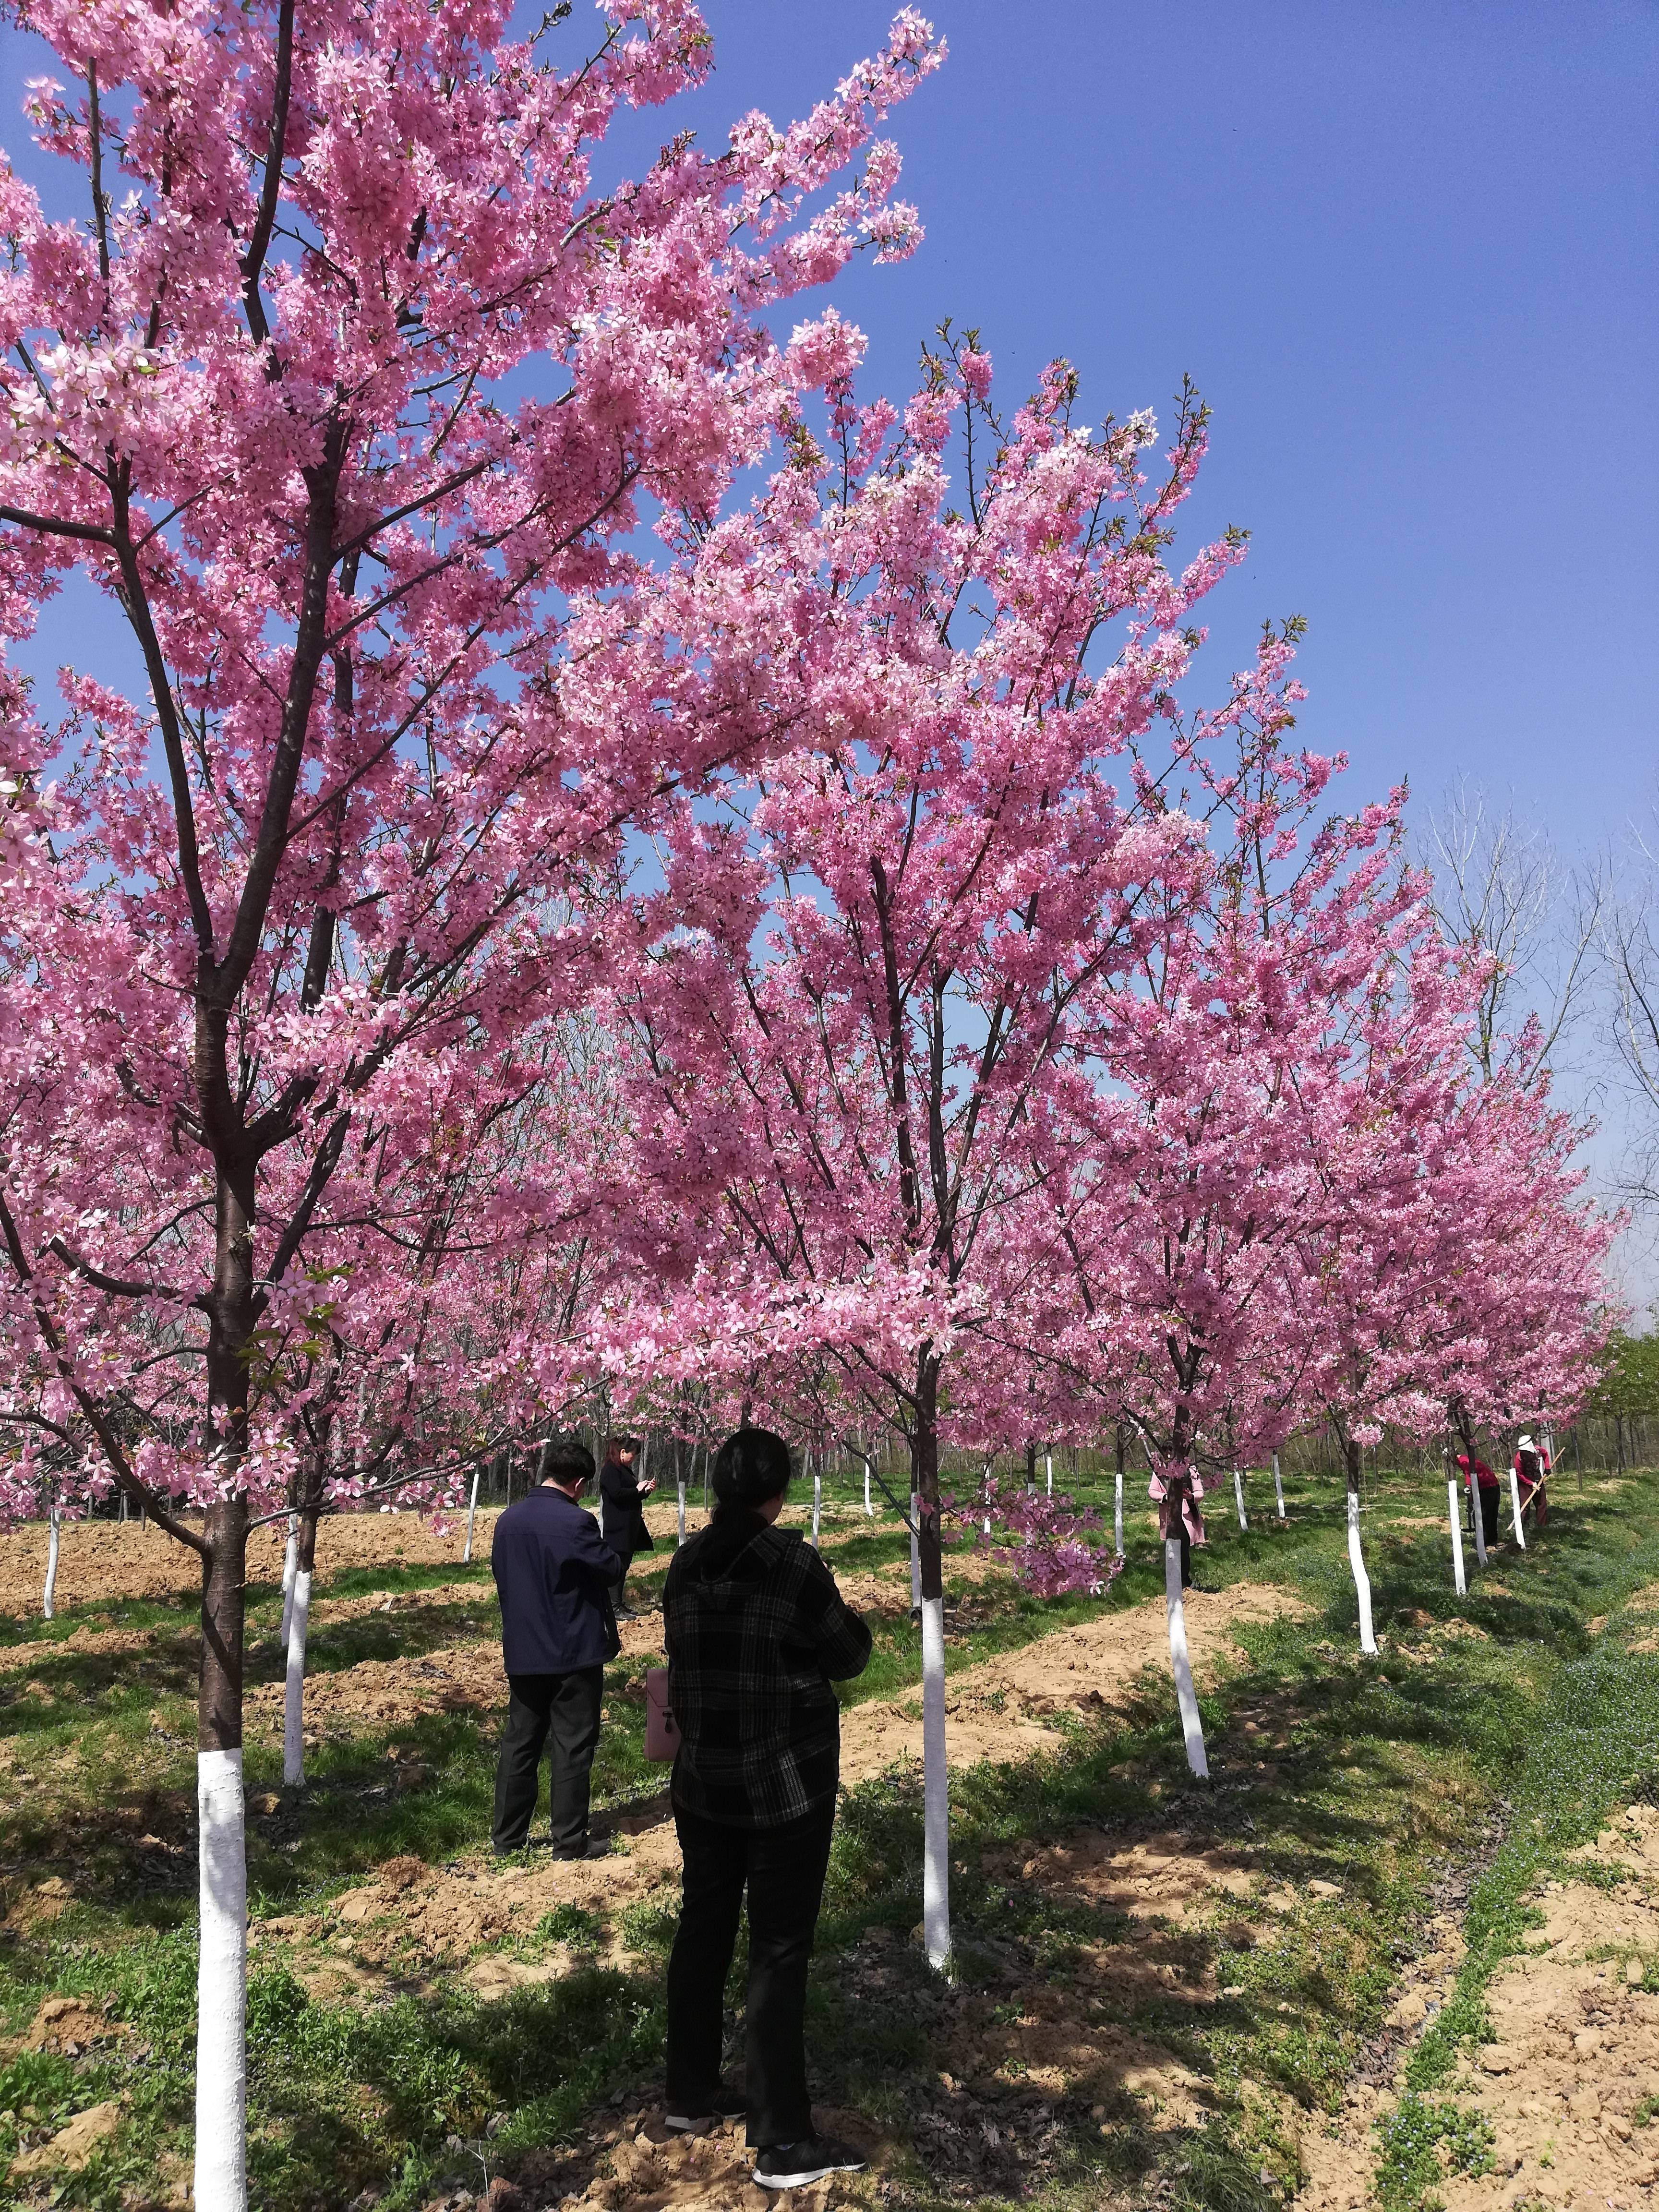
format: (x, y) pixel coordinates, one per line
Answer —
(756, 1633)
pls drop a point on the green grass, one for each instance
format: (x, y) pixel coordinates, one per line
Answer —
(1370, 1775)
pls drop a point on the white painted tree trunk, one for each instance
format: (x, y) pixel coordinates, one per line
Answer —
(1118, 1513)
(293, 1688)
(1278, 1488)
(290, 1560)
(915, 1553)
(1514, 1505)
(818, 1506)
(222, 1987)
(471, 1515)
(51, 1591)
(1048, 1466)
(1180, 1665)
(1362, 1581)
(1238, 1494)
(1452, 1508)
(935, 1789)
(1477, 1516)
(869, 1503)
(679, 1537)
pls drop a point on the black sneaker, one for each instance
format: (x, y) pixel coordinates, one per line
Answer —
(797, 2165)
(691, 2113)
(596, 1847)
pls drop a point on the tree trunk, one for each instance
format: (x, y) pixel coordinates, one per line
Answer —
(1031, 1467)
(1238, 1494)
(1515, 1507)
(1362, 1581)
(1278, 1488)
(49, 1595)
(221, 2180)
(471, 1514)
(1180, 1665)
(294, 1687)
(936, 1804)
(290, 1554)
(221, 2175)
(1459, 1579)
(817, 1496)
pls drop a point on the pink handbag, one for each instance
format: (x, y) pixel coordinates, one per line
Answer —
(662, 1730)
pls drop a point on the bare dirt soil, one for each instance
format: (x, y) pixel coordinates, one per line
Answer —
(1007, 1708)
(1570, 2083)
(102, 1562)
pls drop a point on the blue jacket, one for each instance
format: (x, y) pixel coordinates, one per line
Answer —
(553, 1572)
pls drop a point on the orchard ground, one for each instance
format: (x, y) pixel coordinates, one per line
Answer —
(1403, 1949)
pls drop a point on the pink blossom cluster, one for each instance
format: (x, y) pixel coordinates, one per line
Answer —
(485, 973)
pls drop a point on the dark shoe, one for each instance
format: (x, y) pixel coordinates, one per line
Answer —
(596, 1847)
(694, 2112)
(797, 2165)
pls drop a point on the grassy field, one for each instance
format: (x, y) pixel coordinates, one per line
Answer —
(1160, 1988)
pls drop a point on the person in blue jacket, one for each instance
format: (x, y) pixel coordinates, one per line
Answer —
(554, 1573)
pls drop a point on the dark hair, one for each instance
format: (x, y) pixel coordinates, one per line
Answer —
(565, 1460)
(617, 1442)
(750, 1468)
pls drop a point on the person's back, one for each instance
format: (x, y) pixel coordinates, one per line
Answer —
(553, 1574)
(758, 1634)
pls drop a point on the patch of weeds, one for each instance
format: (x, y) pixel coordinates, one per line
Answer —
(648, 1927)
(1222, 2174)
(38, 2091)
(1600, 1874)
(570, 1923)
(1421, 2140)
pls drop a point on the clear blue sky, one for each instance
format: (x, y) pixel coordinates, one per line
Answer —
(1407, 251)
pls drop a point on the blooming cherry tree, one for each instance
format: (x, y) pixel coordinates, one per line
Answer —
(348, 400)
(859, 992)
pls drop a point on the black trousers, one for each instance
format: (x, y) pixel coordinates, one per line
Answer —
(783, 1869)
(567, 1708)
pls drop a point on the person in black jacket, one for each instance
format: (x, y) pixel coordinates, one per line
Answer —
(553, 1574)
(622, 1511)
(757, 1635)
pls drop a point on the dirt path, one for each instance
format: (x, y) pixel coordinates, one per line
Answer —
(1004, 1708)
(1570, 2082)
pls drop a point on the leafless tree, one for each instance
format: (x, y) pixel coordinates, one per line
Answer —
(1502, 889)
(1627, 941)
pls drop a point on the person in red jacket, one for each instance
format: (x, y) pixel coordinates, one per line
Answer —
(1486, 1484)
